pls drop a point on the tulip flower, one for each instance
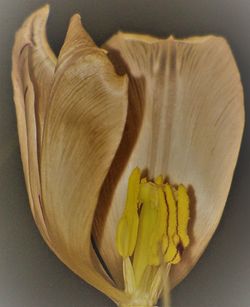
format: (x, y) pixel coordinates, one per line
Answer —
(128, 151)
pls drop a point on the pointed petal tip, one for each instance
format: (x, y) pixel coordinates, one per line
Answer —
(75, 28)
(45, 8)
(42, 12)
(76, 31)
(75, 20)
(76, 36)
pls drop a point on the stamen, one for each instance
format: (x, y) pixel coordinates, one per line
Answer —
(159, 180)
(152, 229)
(152, 226)
(172, 253)
(183, 215)
(127, 229)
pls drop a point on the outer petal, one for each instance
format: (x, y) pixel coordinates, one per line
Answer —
(32, 73)
(188, 104)
(83, 128)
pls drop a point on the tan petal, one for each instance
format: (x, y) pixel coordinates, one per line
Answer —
(187, 103)
(32, 73)
(83, 129)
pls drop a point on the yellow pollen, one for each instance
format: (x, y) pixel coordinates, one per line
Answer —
(128, 225)
(153, 226)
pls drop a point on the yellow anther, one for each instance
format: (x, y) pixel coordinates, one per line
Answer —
(152, 226)
(183, 215)
(173, 238)
(159, 231)
(127, 229)
(176, 259)
(159, 180)
(164, 244)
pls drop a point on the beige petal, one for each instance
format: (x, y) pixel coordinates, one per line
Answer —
(32, 73)
(83, 129)
(187, 104)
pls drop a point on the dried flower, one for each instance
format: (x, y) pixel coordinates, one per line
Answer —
(105, 137)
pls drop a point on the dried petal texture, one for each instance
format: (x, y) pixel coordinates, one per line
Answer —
(83, 128)
(187, 101)
(32, 74)
(71, 114)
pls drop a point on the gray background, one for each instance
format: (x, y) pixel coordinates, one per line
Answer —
(30, 275)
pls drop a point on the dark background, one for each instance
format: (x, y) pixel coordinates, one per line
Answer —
(30, 275)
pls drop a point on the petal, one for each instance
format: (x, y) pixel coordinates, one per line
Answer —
(32, 73)
(83, 128)
(188, 104)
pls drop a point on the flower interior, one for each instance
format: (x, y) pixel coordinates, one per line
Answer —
(151, 234)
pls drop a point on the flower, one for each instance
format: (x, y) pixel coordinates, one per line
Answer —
(97, 125)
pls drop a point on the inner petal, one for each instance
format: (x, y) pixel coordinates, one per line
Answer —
(186, 122)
